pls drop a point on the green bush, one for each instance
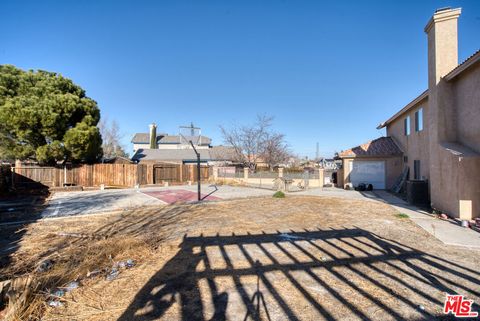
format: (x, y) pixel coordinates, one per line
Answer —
(279, 194)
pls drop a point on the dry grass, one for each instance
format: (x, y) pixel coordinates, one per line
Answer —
(155, 238)
(73, 258)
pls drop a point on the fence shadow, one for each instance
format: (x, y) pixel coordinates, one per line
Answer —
(19, 208)
(274, 273)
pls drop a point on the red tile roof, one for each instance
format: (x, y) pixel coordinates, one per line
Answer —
(470, 61)
(383, 146)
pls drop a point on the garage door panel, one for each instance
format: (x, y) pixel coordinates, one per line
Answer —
(368, 172)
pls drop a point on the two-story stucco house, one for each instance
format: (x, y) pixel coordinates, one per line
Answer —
(436, 135)
(160, 148)
(165, 141)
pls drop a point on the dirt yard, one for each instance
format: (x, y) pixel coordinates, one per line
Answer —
(298, 258)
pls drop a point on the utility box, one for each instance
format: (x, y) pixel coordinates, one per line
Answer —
(417, 192)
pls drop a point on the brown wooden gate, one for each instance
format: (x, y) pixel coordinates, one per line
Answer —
(178, 174)
(166, 173)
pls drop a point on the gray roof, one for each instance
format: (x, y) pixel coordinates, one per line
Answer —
(223, 153)
(173, 155)
(216, 153)
(144, 138)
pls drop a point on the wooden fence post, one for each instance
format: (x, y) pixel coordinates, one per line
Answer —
(192, 173)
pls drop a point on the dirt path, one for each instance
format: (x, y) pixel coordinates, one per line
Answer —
(300, 258)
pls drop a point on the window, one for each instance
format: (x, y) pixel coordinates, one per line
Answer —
(419, 120)
(406, 124)
(416, 169)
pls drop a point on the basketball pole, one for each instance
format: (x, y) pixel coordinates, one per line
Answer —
(198, 171)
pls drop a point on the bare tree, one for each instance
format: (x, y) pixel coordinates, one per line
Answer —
(275, 150)
(256, 142)
(111, 138)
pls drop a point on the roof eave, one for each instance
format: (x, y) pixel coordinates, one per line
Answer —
(410, 105)
(474, 59)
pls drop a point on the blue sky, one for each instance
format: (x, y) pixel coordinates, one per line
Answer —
(329, 72)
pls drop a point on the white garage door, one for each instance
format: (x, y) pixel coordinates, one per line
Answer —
(368, 172)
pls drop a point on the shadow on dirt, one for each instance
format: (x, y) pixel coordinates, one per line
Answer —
(346, 255)
(18, 209)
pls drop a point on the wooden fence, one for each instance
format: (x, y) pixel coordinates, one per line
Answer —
(107, 174)
(173, 173)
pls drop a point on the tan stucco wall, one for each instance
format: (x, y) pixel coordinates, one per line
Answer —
(453, 121)
(415, 145)
(269, 182)
(450, 140)
(393, 168)
(455, 178)
(466, 92)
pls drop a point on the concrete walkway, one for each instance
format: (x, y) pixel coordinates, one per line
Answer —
(110, 200)
(447, 231)
(337, 192)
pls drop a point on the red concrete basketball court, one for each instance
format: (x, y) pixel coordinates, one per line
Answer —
(179, 196)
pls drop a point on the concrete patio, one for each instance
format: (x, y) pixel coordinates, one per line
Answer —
(447, 231)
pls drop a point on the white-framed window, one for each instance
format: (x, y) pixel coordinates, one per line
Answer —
(406, 126)
(419, 120)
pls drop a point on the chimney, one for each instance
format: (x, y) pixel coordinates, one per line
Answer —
(442, 43)
(153, 136)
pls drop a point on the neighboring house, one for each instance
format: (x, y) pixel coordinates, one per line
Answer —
(176, 149)
(439, 131)
(259, 161)
(182, 156)
(330, 164)
(378, 162)
(223, 155)
(116, 160)
(165, 141)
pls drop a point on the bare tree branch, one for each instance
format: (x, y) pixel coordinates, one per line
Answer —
(111, 138)
(257, 143)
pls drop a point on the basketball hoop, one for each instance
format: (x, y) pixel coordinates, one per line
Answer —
(190, 134)
(192, 138)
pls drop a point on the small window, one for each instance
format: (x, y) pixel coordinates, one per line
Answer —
(405, 159)
(416, 169)
(419, 120)
(406, 124)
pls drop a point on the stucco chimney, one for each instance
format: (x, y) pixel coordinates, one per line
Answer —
(153, 136)
(442, 43)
